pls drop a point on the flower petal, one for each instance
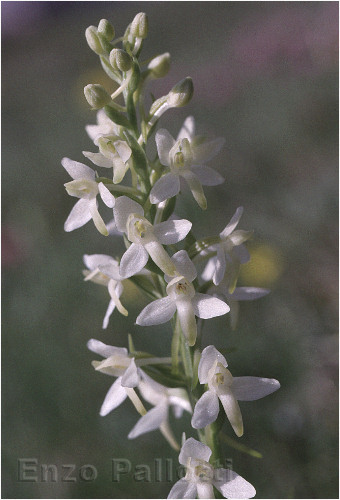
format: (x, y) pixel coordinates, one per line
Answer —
(184, 265)
(164, 142)
(172, 231)
(186, 316)
(119, 170)
(106, 196)
(232, 410)
(115, 396)
(111, 307)
(231, 485)
(105, 350)
(188, 129)
(208, 149)
(206, 306)
(78, 170)
(252, 388)
(209, 270)
(133, 260)
(160, 257)
(207, 176)
(220, 265)
(115, 290)
(209, 356)
(194, 449)
(97, 219)
(123, 149)
(249, 293)
(97, 259)
(205, 489)
(79, 215)
(183, 489)
(98, 159)
(166, 187)
(131, 377)
(124, 206)
(150, 421)
(196, 188)
(206, 410)
(233, 223)
(157, 312)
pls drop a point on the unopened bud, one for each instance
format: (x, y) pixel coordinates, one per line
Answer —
(96, 96)
(140, 26)
(119, 59)
(181, 93)
(160, 65)
(106, 29)
(93, 40)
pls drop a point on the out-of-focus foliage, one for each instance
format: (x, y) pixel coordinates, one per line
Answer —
(265, 76)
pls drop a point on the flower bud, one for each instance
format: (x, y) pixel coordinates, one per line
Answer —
(140, 26)
(160, 65)
(96, 96)
(119, 59)
(181, 93)
(106, 29)
(92, 39)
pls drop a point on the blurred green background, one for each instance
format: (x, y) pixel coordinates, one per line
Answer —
(266, 79)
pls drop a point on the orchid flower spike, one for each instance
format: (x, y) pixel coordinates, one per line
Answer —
(104, 270)
(212, 370)
(146, 239)
(201, 477)
(86, 188)
(185, 158)
(183, 299)
(162, 398)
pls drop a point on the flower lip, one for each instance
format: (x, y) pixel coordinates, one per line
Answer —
(138, 228)
(219, 377)
(180, 288)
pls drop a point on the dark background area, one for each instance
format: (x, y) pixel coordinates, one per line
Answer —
(266, 79)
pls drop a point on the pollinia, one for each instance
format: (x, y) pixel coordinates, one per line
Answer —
(197, 279)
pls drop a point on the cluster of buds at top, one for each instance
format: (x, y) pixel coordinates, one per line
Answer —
(140, 195)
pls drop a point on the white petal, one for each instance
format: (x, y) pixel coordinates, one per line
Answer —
(207, 176)
(97, 259)
(150, 421)
(123, 150)
(97, 219)
(119, 170)
(164, 142)
(105, 350)
(98, 159)
(160, 257)
(111, 307)
(188, 129)
(106, 196)
(172, 231)
(252, 388)
(79, 215)
(233, 411)
(111, 270)
(183, 489)
(231, 485)
(133, 260)
(194, 449)
(209, 270)
(205, 489)
(78, 170)
(208, 149)
(166, 187)
(157, 312)
(124, 206)
(131, 376)
(206, 410)
(210, 355)
(233, 223)
(206, 306)
(249, 293)
(115, 396)
(186, 316)
(195, 188)
(220, 265)
(184, 265)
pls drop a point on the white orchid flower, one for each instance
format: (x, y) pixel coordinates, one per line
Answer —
(230, 253)
(201, 477)
(146, 239)
(185, 158)
(113, 153)
(212, 370)
(86, 188)
(182, 298)
(162, 398)
(104, 126)
(104, 270)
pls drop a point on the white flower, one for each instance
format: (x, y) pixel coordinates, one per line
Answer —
(201, 476)
(117, 364)
(182, 298)
(229, 250)
(162, 398)
(184, 158)
(104, 126)
(104, 270)
(146, 239)
(86, 188)
(212, 370)
(113, 153)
